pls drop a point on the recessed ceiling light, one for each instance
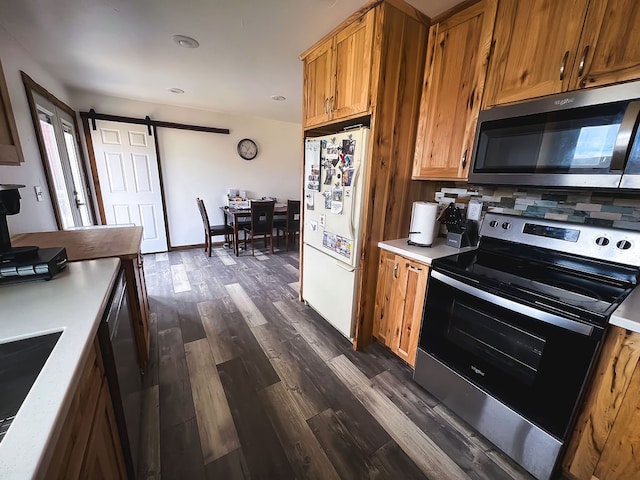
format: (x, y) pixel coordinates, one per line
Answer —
(186, 42)
(278, 98)
(176, 90)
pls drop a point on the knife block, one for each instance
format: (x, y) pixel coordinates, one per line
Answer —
(466, 238)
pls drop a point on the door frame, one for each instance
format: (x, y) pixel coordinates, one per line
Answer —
(152, 130)
(30, 87)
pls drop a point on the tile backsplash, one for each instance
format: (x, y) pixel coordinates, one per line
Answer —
(599, 208)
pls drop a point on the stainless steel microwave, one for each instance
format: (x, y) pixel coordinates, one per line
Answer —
(588, 138)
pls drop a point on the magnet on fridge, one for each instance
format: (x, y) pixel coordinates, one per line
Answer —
(323, 220)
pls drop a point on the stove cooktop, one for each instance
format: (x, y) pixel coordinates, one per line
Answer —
(537, 263)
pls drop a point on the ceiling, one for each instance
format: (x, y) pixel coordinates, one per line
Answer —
(248, 48)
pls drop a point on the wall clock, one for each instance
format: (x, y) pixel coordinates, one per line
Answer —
(247, 149)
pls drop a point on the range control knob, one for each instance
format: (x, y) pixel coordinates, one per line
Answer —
(602, 241)
(506, 225)
(624, 244)
(493, 223)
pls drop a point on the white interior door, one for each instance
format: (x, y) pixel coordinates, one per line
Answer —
(130, 180)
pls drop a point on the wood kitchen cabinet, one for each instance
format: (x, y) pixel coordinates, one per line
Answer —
(103, 242)
(457, 59)
(606, 439)
(543, 47)
(402, 284)
(10, 150)
(337, 74)
(89, 445)
(383, 83)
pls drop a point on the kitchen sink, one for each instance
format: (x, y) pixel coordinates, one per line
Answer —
(20, 364)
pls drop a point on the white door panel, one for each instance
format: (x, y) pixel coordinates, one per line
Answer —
(130, 181)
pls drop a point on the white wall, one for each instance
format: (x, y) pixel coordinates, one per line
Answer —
(33, 216)
(205, 165)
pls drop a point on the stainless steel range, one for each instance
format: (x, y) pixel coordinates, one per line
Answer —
(511, 330)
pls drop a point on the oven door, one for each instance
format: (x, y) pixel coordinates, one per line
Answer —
(532, 361)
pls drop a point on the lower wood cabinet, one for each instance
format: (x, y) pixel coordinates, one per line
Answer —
(139, 305)
(606, 439)
(89, 445)
(400, 293)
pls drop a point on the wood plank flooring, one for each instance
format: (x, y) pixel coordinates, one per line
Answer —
(247, 382)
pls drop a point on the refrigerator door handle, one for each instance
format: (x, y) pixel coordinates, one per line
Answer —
(346, 267)
(354, 185)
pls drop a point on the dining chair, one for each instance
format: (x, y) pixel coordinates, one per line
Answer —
(213, 230)
(290, 226)
(261, 223)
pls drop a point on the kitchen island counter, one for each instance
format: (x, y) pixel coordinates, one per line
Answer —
(73, 303)
(104, 241)
(426, 255)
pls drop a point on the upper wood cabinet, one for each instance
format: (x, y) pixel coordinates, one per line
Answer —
(609, 45)
(337, 74)
(457, 58)
(543, 47)
(402, 284)
(10, 150)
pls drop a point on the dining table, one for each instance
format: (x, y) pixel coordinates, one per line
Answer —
(236, 216)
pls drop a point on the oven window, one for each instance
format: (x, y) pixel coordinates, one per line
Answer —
(514, 351)
(536, 368)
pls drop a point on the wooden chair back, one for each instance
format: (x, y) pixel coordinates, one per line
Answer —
(293, 215)
(203, 214)
(262, 216)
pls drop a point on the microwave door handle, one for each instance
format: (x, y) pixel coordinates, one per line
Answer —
(624, 142)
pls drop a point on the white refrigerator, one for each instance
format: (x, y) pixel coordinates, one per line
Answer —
(335, 167)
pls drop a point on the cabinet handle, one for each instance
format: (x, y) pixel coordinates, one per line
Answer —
(563, 65)
(415, 269)
(464, 158)
(326, 101)
(583, 60)
(331, 103)
(395, 270)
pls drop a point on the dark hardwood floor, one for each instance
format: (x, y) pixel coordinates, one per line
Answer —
(245, 381)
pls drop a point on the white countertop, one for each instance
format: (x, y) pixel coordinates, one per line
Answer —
(627, 315)
(426, 255)
(72, 302)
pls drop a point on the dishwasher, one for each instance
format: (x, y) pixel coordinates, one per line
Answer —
(118, 345)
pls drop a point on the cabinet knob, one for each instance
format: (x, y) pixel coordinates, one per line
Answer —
(395, 270)
(563, 65)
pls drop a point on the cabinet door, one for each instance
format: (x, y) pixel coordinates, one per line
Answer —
(407, 328)
(457, 57)
(10, 151)
(104, 452)
(603, 443)
(387, 270)
(318, 87)
(535, 45)
(353, 50)
(609, 50)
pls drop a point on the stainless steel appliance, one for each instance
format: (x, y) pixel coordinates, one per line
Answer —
(510, 331)
(587, 138)
(123, 374)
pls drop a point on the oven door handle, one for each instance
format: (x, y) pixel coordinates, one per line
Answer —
(546, 317)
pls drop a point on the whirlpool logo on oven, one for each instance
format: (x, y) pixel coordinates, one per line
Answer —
(477, 370)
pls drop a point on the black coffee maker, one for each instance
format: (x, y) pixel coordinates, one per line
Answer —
(10, 205)
(19, 264)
